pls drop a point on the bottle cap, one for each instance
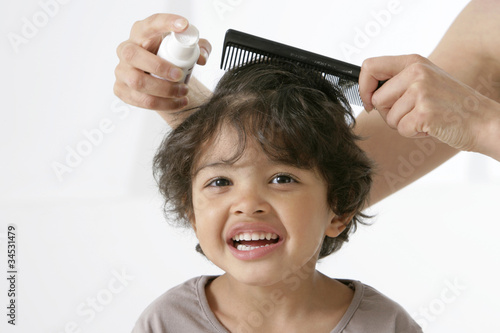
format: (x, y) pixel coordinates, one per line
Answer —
(183, 44)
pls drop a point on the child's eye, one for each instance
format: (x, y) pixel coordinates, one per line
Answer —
(282, 179)
(220, 182)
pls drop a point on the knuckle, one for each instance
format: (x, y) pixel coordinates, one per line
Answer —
(148, 102)
(420, 71)
(367, 64)
(118, 72)
(117, 90)
(150, 22)
(421, 116)
(421, 90)
(420, 122)
(152, 18)
(178, 103)
(416, 58)
(137, 25)
(391, 120)
(161, 68)
(128, 52)
(119, 49)
(171, 90)
(135, 81)
(416, 87)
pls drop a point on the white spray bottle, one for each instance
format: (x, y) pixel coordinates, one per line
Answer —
(181, 49)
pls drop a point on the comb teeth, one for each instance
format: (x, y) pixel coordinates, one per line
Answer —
(240, 49)
(238, 56)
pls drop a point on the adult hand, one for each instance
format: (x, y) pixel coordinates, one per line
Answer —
(420, 99)
(138, 58)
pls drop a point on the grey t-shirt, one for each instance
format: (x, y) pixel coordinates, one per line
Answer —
(185, 308)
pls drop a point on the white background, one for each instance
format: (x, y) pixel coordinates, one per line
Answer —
(77, 231)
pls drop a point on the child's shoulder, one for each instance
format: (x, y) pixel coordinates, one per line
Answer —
(175, 309)
(372, 309)
(184, 293)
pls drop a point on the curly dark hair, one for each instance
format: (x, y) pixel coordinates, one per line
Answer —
(297, 118)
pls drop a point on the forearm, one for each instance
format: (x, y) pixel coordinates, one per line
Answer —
(399, 161)
(197, 95)
(469, 49)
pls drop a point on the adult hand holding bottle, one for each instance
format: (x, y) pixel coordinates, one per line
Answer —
(138, 59)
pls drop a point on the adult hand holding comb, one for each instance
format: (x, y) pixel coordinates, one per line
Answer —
(420, 99)
(454, 95)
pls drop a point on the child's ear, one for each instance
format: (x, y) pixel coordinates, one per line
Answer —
(338, 224)
(192, 221)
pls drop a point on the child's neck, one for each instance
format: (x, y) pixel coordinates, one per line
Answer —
(312, 300)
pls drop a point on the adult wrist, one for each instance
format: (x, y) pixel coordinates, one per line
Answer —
(488, 136)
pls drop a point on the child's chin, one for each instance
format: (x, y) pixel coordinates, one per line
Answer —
(258, 279)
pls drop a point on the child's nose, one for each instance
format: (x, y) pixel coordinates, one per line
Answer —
(250, 201)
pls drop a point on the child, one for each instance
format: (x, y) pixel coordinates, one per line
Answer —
(269, 176)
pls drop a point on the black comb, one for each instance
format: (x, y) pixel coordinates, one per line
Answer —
(242, 48)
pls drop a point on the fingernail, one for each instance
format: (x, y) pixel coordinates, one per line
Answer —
(175, 74)
(182, 90)
(180, 23)
(183, 102)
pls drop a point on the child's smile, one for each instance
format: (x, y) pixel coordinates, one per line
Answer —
(252, 240)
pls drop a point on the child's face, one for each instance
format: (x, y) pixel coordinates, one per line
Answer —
(256, 197)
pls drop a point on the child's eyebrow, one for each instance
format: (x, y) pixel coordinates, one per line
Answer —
(225, 165)
(214, 165)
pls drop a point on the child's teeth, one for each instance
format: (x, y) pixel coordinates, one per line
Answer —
(242, 247)
(247, 236)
